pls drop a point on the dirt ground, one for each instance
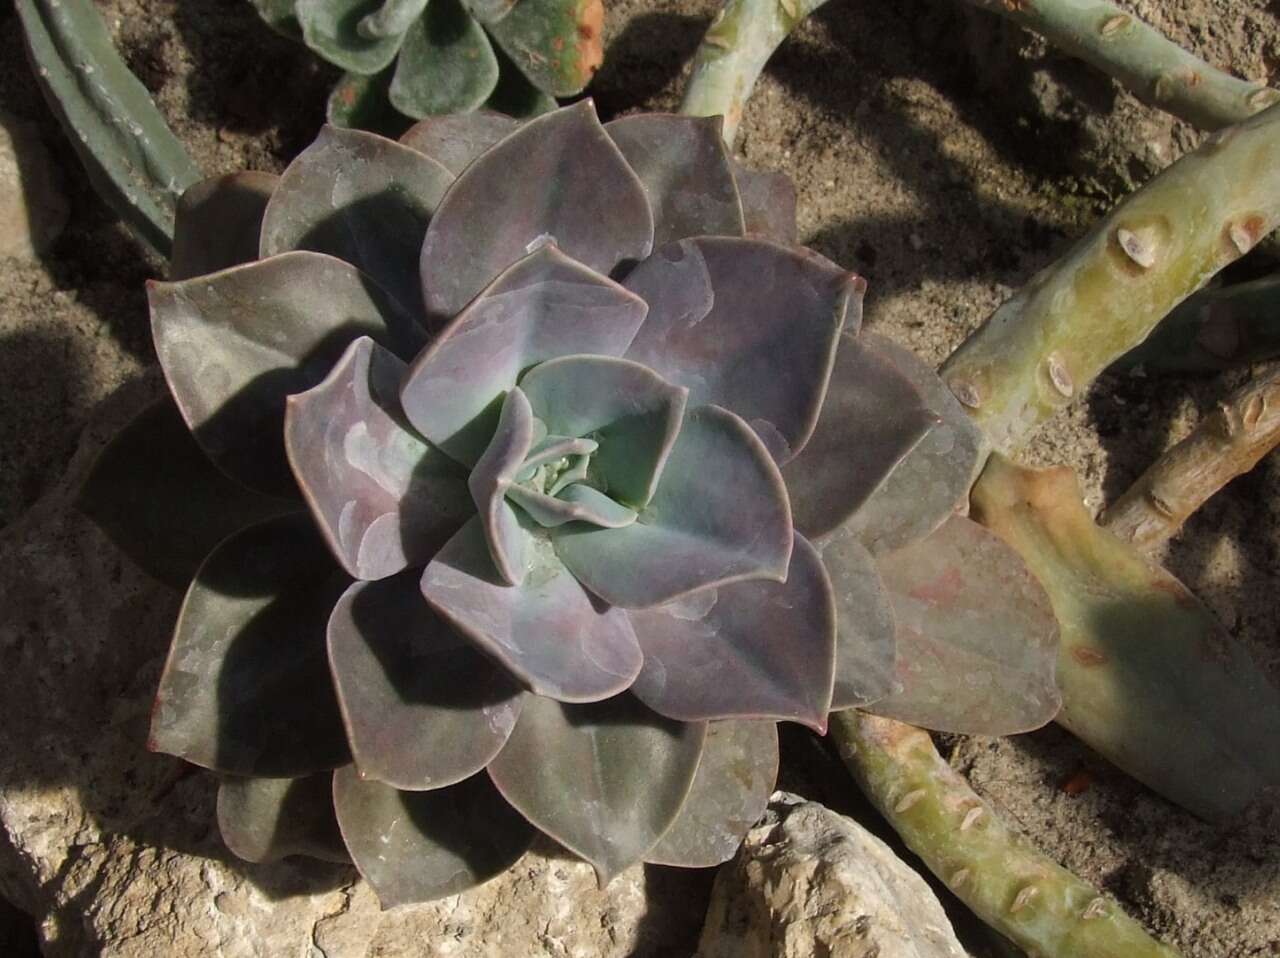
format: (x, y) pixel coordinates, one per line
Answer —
(937, 151)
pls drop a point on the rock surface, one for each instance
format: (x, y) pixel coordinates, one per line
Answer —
(809, 883)
(33, 210)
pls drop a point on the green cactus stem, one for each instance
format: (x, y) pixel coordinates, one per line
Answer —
(1045, 346)
(734, 50)
(133, 160)
(1009, 884)
(1141, 58)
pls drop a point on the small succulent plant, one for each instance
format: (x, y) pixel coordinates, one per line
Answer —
(447, 56)
(539, 500)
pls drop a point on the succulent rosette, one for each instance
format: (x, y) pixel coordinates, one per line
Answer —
(544, 474)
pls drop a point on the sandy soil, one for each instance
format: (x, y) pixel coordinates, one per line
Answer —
(937, 151)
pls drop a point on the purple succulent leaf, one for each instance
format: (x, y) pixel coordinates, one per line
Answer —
(267, 819)
(362, 198)
(235, 344)
(551, 448)
(719, 515)
(873, 417)
(548, 632)
(588, 201)
(545, 306)
(384, 499)
(605, 780)
(753, 649)
(456, 139)
(577, 503)
(686, 172)
(768, 203)
(632, 412)
(423, 707)
(932, 481)
(218, 222)
(730, 792)
(246, 687)
(419, 846)
(489, 481)
(977, 638)
(748, 325)
(866, 649)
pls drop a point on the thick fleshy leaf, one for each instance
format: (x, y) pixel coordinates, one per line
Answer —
(489, 481)
(514, 95)
(578, 503)
(217, 223)
(546, 305)
(279, 15)
(392, 19)
(362, 198)
(605, 780)
(455, 140)
(266, 819)
(754, 649)
(720, 514)
(683, 164)
(246, 688)
(363, 103)
(487, 11)
(234, 344)
(383, 497)
(768, 203)
(557, 44)
(588, 201)
(155, 493)
(977, 640)
(446, 64)
(730, 792)
(632, 412)
(548, 631)
(423, 707)
(872, 417)
(748, 325)
(332, 29)
(419, 846)
(865, 628)
(932, 481)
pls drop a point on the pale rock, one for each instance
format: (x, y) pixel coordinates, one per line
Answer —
(809, 883)
(33, 210)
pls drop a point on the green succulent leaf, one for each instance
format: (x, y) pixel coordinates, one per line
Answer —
(873, 417)
(246, 687)
(577, 503)
(392, 19)
(865, 644)
(752, 649)
(686, 172)
(383, 497)
(605, 780)
(589, 202)
(977, 640)
(455, 140)
(331, 28)
(748, 325)
(557, 44)
(157, 496)
(730, 792)
(446, 64)
(362, 198)
(423, 707)
(364, 103)
(267, 819)
(234, 344)
(547, 631)
(544, 306)
(768, 203)
(218, 222)
(281, 16)
(419, 846)
(494, 473)
(514, 95)
(720, 514)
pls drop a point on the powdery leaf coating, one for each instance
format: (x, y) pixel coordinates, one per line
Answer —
(544, 306)
(487, 11)
(423, 707)
(748, 325)
(246, 687)
(446, 64)
(977, 639)
(547, 631)
(492, 477)
(685, 169)
(557, 44)
(588, 201)
(456, 139)
(361, 102)
(419, 846)
(605, 780)
(383, 497)
(753, 649)
(234, 344)
(217, 223)
(332, 29)
(576, 503)
(267, 819)
(720, 515)
(730, 792)
(768, 203)
(362, 198)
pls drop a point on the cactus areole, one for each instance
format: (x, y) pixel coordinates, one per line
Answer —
(541, 483)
